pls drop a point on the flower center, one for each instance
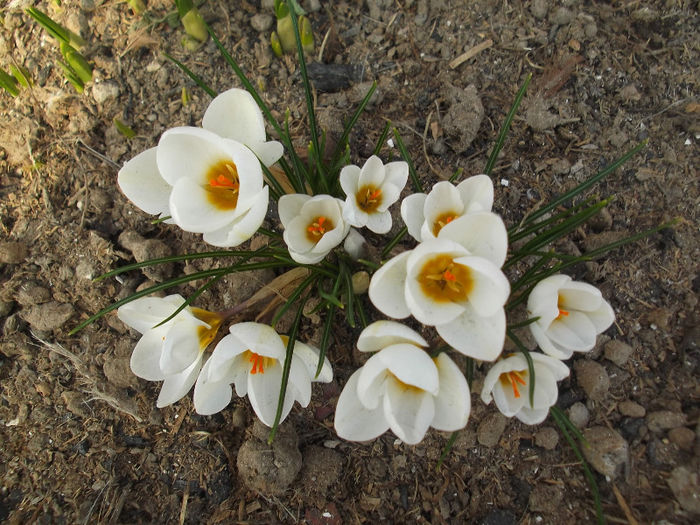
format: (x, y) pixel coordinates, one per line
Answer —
(206, 335)
(318, 227)
(513, 379)
(223, 185)
(259, 362)
(443, 280)
(562, 312)
(442, 220)
(368, 198)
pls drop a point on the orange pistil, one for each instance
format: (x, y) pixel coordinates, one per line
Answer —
(562, 313)
(258, 363)
(319, 226)
(514, 378)
(445, 281)
(368, 198)
(449, 276)
(223, 185)
(443, 220)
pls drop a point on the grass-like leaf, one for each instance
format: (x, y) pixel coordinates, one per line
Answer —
(530, 365)
(506, 126)
(447, 448)
(382, 138)
(343, 141)
(195, 78)
(191, 298)
(393, 242)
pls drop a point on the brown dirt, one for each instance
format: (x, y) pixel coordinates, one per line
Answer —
(82, 440)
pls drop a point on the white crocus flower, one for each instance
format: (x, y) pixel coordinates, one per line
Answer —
(571, 315)
(370, 191)
(401, 387)
(208, 179)
(458, 290)
(313, 226)
(171, 352)
(252, 358)
(425, 215)
(508, 383)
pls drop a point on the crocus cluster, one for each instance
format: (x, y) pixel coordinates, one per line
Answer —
(209, 180)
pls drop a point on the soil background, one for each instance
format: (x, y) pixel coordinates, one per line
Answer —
(81, 440)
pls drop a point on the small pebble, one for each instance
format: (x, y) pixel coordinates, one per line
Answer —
(13, 252)
(261, 22)
(683, 437)
(631, 409)
(561, 16)
(618, 352)
(593, 378)
(105, 91)
(490, 429)
(608, 452)
(48, 316)
(662, 420)
(685, 485)
(538, 8)
(547, 438)
(579, 415)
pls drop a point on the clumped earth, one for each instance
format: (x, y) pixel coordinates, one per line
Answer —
(82, 441)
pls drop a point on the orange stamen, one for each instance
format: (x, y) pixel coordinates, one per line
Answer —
(222, 182)
(514, 378)
(318, 226)
(376, 193)
(257, 361)
(449, 276)
(562, 313)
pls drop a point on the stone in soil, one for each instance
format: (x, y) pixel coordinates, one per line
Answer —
(145, 249)
(547, 438)
(593, 378)
(31, 293)
(118, 372)
(463, 119)
(607, 451)
(631, 409)
(618, 352)
(685, 485)
(269, 469)
(491, 428)
(578, 414)
(545, 499)
(321, 469)
(662, 420)
(48, 316)
(683, 437)
(13, 252)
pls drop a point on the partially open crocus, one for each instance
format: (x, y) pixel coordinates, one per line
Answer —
(425, 215)
(252, 358)
(370, 191)
(313, 226)
(443, 284)
(508, 384)
(401, 388)
(571, 315)
(171, 352)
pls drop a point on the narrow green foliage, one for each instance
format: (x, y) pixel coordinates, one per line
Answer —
(530, 364)
(565, 426)
(447, 448)
(197, 80)
(56, 30)
(469, 373)
(349, 296)
(516, 233)
(382, 138)
(77, 62)
(583, 186)
(325, 337)
(185, 96)
(456, 175)
(190, 299)
(393, 242)
(8, 83)
(405, 156)
(285, 370)
(22, 75)
(293, 297)
(123, 128)
(506, 126)
(71, 77)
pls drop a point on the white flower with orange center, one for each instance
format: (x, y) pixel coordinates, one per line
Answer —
(425, 215)
(208, 180)
(252, 358)
(458, 290)
(401, 388)
(313, 226)
(571, 315)
(370, 191)
(171, 352)
(508, 384)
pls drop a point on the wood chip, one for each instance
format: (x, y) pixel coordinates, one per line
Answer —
(470, 53)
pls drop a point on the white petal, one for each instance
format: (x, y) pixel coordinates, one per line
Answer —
(379, 222)
(260, 339)
(349, 176)
(243, 227)
(575, 295)
(289, 207)
(531, 416)
(146, 312)
(372, 173)
(574, 331)
(219, 365)
(188, 152)
(180, 348)
(264, 392)
(309, 356)
(353, 421)
(444, 198)
(544, 297)
(268, 152)
(411, 365)
(381, 334)
(409, 412)
(353, 215)
(558, 369)
(308, 257)
(386, 289)
(175, 387)
(483, 234)
(193, 212)
(453, 401)
(140, 180)
(371, 382)
(476, 193)
(234, 114)
(546, 345)
(295, 236)
(396, 174)
(475, 336)
(546, 390)
(490, 287)
(299, 384)
(145, 359)
(211, 397)
(355, 244)
(603, 317)
(412, 214)
(390, 194)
